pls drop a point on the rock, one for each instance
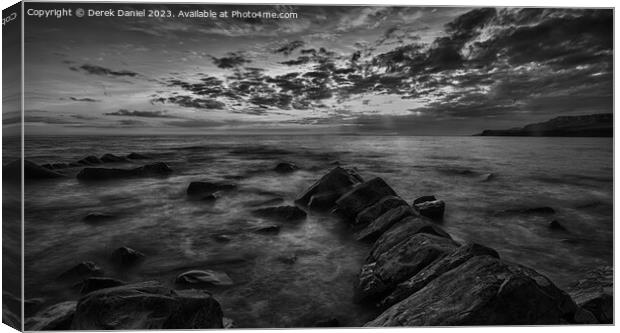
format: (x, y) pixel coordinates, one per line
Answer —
(110, 158)
(13, 172)
(268, 229)
(95, 283)
(257, 203)
(335, 183)
(204, 278)
(331, 322)
(286, 167)
(382, 206)
(281, 213)
(375, 229)
(431, 209)
(543, 210)
(487, 177)
(379, 277)
(433, 271)
(228, 323)
(583, 316)
(555, 225)
(222, 238)
(147, 305)
(482, 291)
(362, 196)
(287, 259)
(125, 256)
(423, 198)
(136, 156)
(56, 317)
(207, 189)
(53, 166)
(402, 230)
(80, 271)
(150, 170)
(98, 217)
(595, 293)
(323, 202)
(90, 160)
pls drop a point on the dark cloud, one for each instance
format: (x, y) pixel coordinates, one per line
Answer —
(288, 48)
(231, 60)
(86, 99)
(198, 103)
(98, 70)
(144, 114)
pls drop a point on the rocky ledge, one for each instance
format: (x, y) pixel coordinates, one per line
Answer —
(419, 276)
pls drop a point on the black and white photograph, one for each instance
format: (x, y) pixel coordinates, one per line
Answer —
(245, 166)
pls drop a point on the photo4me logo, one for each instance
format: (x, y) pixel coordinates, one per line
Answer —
(9, 18)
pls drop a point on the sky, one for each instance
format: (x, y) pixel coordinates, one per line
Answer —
(353, 70)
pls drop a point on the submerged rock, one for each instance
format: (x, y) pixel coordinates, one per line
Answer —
(206, 190)
(150, 170)
(147, 305)
(80, 271)
(281, 213)
(125, 256)
(13, 172)
(56, 317)
(98, 217)
(431, 209)
(482, 291)
(362, 196)
(89, 160)
(335, 183)
(267, 229)
(95, 283)
(556, 225)
(136, 156)
(595, 293)
(111, 158)
(286, 167)
(381, 274)
(204, 278)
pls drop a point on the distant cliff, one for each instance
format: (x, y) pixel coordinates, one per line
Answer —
(594, 125)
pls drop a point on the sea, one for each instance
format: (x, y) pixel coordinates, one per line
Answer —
(305, 274)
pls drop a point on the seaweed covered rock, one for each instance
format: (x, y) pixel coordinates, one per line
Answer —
(157, 169)
(329, 188)
(281, 213)
(483, 291)
(146, 305)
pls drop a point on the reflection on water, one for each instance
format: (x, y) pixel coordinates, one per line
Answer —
(305, 273)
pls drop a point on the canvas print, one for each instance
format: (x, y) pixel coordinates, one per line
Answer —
(195, 166)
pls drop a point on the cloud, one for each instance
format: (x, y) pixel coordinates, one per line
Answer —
(86, 99)
(144, 114)
(231, 60)
(288, 48)
(98, 70)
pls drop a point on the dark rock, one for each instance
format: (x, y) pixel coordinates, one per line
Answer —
(146, 305)
(431, 209)
(110, 158)
(487, 177)
(287, 259)
(207, 189)
(379, 277)
(433, 271)
(80, 271)
(375, 229)
(124, 256)
(482, 291)
(136, 156)
(95, 283)
(583, 316)
(363, 195)
(286, 167)
(404, 229)
(204, 278)
(98, 217)
(256, 203)
(281, 213)
(90, 160)
(336, 182)
(228, 323)
(13, 172)
(222, 238)
(555, 225)
(374, 211)
(56, 317)
(53, 166)
(150, 170)
(423, 198)
(323, 202)
(268, 229)
(595, 293)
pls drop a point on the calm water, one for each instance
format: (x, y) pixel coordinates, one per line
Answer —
(306, 272)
